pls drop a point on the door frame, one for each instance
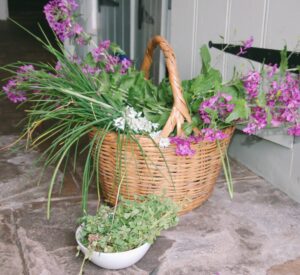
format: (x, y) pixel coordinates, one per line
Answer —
(3, 9)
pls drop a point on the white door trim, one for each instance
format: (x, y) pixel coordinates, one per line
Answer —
(3, 9)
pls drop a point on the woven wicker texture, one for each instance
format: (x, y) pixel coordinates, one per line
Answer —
(189, 181)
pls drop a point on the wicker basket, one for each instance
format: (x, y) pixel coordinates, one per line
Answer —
(189, 181)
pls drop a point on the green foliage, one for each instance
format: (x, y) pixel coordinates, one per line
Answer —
(154, 102)
(129, 225)
(205, 57)
(207, 84)
(71, 103)
(241, 110)
(283, 61)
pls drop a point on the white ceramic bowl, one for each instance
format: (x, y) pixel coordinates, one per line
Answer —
(116, 260)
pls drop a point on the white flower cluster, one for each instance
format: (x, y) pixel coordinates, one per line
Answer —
(136, 122)
(163, 142)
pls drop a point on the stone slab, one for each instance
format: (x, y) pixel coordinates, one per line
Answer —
(254, 233)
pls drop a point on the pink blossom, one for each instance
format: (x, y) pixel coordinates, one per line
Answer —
(272, 70)
(100, 53)
(211, 135)
(218, 103)
(183, 146)
(258, 120)
(294, 130)
(60, 15)
(252, 83)
(12, 88)
(246, 45)
(125, 64)
(58, 66)
(283, 99)
(89, 70)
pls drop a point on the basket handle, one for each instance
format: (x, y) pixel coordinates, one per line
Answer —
(180, 111)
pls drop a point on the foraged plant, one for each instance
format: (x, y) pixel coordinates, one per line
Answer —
(128, 225)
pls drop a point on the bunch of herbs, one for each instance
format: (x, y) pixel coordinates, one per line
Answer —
(129, 225)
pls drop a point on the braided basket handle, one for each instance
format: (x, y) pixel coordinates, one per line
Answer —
(180, 111)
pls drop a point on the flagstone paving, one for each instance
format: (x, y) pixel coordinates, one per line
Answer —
(255, 233)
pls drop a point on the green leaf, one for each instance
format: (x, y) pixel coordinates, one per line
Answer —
(130, 224)
(261, 99)
(188, 128)
(283, 61)
(163, 118)
(205, 57)
(269, 116)
(195, 105)
(206, 83)
(115, 48)
(89, 60)
(241, 111)
(127, 216)
(231, 90)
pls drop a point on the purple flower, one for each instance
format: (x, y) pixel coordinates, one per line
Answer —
(218, 103)
(111, 63)
(195, 139)
(250, 129)
(251, 83)
(283, 99)
(60, 17)
(276, 122)
(258, 120)
(246, 45)
(58, 66)
(88, 70)
(183, 146)
(211, 135)
(77, 29)
(184, 149)
(272, 70)
(105, 44)
(294, 130)
(125, 65)
(100, 52)
(226, 97)
(81, 41)
(76, 59)
(220, 135)
(25, 69)
(12, 92)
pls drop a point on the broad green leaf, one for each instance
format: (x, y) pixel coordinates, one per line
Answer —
(205, 58)
(241, 111)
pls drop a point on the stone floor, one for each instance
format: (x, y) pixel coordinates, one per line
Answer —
(255, 233)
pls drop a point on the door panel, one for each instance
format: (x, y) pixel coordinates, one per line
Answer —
(131, 24)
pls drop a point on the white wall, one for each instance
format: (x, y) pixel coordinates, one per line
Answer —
(273, 23)
(3, 9)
